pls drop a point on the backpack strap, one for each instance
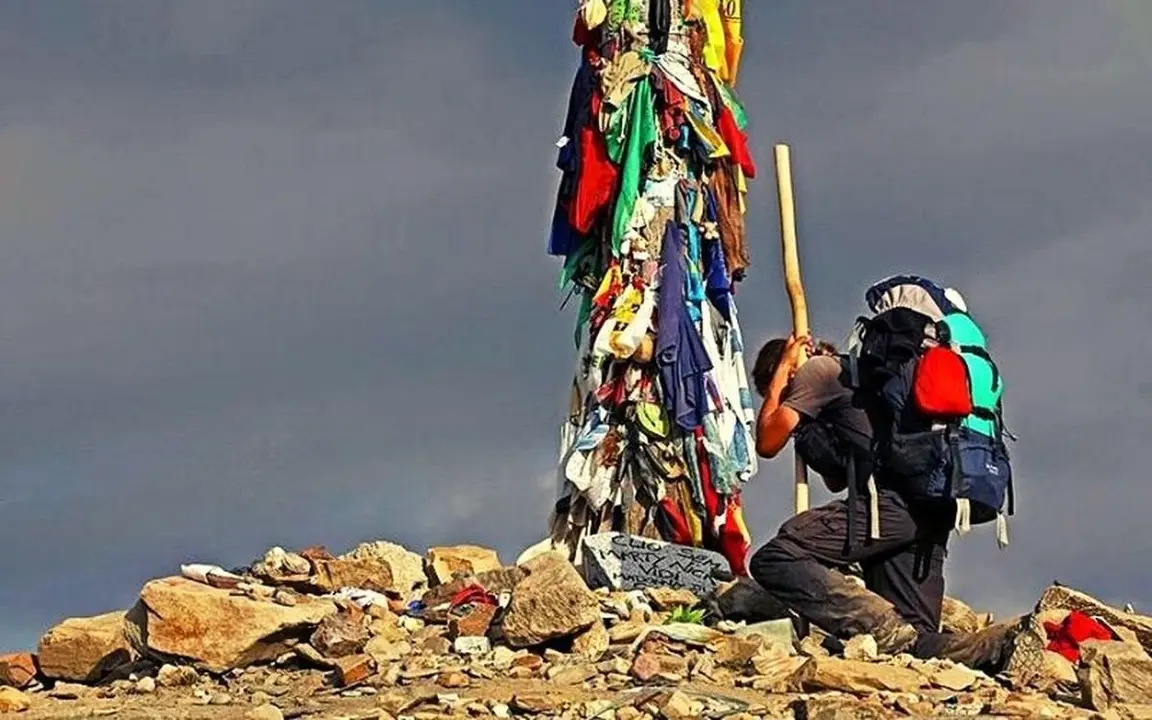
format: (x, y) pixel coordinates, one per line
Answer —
(873, 509)
(853, 497)
(1001, 531)
(983, 355)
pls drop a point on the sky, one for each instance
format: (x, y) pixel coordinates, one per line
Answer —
(273, 272)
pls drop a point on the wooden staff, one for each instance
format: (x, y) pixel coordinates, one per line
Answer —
(793, 285)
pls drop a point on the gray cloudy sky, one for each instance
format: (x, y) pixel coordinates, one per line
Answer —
(274, 273)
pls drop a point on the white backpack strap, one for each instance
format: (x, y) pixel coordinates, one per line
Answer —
(1001, 530)
(873, 510)
(963, 516)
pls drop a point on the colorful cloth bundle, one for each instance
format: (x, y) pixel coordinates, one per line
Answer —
(650, 223)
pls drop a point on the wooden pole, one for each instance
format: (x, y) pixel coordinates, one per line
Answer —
(793, 285)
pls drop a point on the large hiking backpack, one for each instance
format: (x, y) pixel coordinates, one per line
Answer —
(922, 371)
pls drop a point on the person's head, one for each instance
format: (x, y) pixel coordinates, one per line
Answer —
(769, 359)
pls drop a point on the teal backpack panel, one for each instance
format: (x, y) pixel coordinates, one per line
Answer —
(987, 385)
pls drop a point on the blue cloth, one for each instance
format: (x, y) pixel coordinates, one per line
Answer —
(685, 201)
(717, 284)
(563, 240)
(696, 294)
(680, 353)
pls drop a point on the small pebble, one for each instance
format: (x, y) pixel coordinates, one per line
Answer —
(146, 686)
(264, 712)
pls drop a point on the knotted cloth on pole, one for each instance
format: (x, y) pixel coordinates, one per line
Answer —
(649, 220)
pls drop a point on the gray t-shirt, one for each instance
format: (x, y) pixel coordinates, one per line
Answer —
(821, 386)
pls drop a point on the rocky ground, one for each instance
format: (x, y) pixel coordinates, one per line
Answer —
(385, 633)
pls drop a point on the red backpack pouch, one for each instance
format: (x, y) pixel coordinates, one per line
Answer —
(940, 386)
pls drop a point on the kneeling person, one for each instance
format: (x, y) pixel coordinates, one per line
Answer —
(899, 543)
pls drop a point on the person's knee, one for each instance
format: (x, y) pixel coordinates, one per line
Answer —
(767, 566)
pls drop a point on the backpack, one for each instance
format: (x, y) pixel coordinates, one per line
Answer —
(830, 450)
(839, 455)
(922, 371)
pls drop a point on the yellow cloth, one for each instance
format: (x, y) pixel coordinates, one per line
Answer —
(710, 135)
(611, 278)
(742, 188)
(695, 526)
(715, 48)
(724, 21)
(738, 517)
(733, 19)
(593, 13)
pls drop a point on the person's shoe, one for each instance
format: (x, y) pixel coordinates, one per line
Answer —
(1023, 655)
(894, 637)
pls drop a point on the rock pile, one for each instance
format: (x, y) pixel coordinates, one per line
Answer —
(363, 635)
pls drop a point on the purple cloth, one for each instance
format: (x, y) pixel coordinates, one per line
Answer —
(680, 353)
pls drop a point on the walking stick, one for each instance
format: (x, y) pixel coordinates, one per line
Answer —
(793, 285)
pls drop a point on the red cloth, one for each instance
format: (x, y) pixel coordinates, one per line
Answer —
(711, 497)
(733, 545)
(596, 177)
(736, 141)
(671, 110)
(1065, 637)
(581, 35)
(678, 525)
(472, 595)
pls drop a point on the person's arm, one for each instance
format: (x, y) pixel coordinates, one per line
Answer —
(776, 421)
(774, 428)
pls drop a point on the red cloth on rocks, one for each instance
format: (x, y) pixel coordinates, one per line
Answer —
(1065, 637)
(474, 594)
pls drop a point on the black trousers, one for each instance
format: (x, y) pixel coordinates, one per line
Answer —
(903, 570)
(903, 575)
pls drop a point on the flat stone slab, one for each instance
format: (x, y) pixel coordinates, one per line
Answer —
(628, 562)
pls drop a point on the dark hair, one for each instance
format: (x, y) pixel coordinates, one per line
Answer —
(769, 359)
(767, 362)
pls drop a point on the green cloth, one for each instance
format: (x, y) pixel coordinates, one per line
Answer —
(630, 135)
(572, 262)
(728, 95)
(623, 11)
(965, 332)
(583, 316)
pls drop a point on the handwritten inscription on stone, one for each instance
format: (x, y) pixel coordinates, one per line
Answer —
(627, 562)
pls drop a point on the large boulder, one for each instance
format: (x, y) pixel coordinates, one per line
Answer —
(1115, 673)
(342, 634)
(407, 568)
(217, 630)
(855, 677)
(551, 602)
(444, 563)
(84, 649)
(368, 573)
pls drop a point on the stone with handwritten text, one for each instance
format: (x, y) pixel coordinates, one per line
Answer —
(628, 562)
